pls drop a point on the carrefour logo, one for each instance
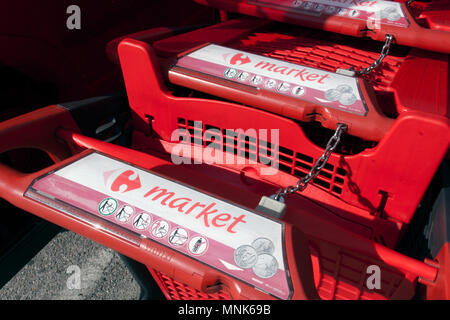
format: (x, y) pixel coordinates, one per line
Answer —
(122, 181)
(239, 59)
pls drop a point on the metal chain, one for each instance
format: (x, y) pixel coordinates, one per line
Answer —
(318, 165)
(383, 54)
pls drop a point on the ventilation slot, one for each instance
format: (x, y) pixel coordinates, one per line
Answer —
(249, 147)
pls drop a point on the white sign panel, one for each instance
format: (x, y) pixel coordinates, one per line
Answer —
(227, 237)
(297, 81)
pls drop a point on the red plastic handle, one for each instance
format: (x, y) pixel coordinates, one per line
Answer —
(37, 130)
(14, 187)
(146, 36)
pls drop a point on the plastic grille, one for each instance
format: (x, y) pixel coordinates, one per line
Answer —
(344, 276)
(331, 178)
(179, 291)
(306, 47)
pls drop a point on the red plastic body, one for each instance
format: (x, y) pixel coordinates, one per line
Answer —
(339, 258)
(434, 37)
(371, 188)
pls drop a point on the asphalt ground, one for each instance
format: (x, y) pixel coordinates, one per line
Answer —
(72, 267)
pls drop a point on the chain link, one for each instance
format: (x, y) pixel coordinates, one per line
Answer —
(317, 167)
(335, 139)
(383, 54)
